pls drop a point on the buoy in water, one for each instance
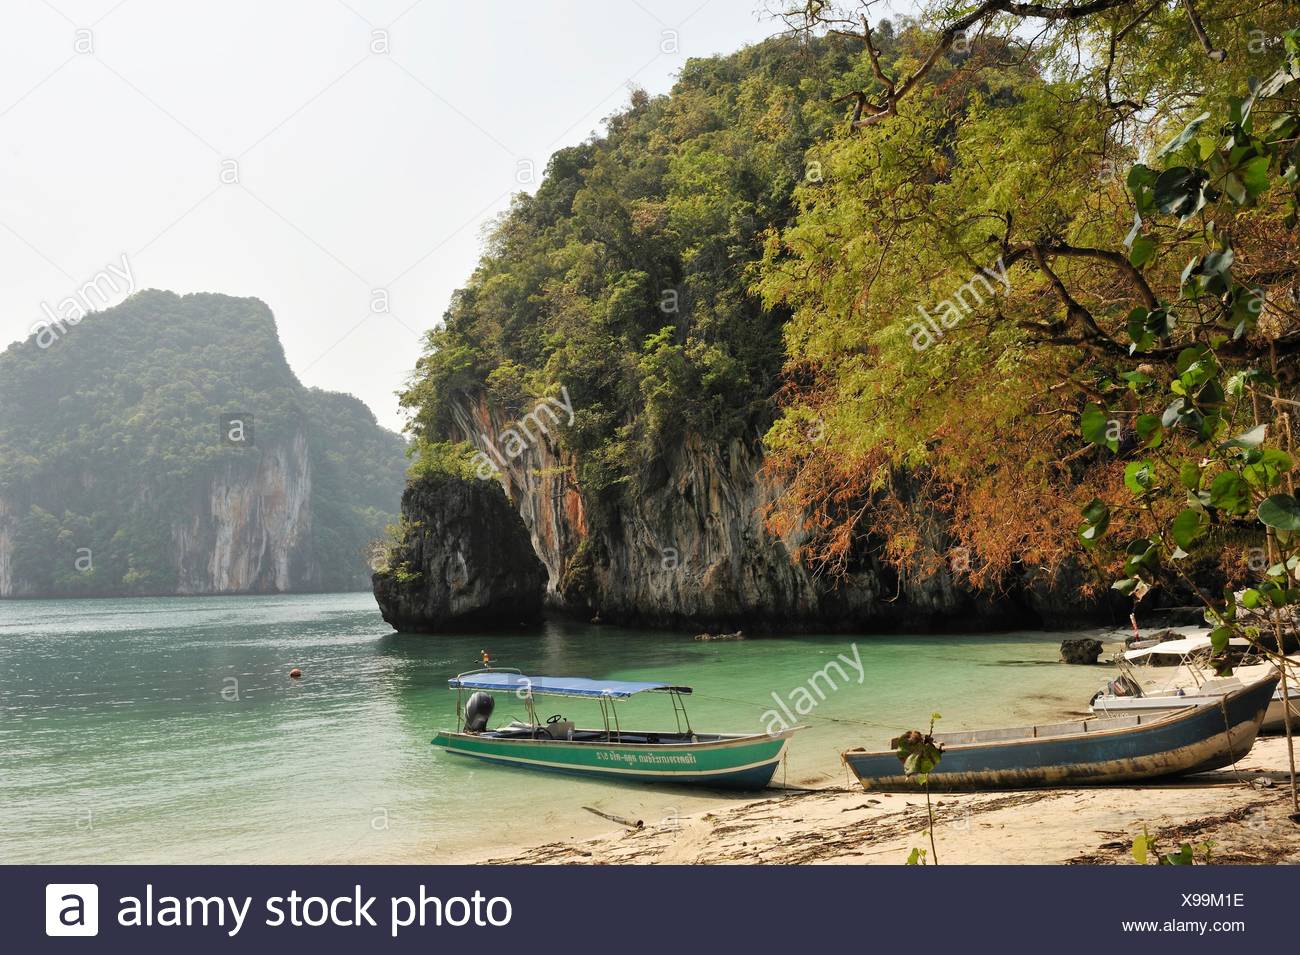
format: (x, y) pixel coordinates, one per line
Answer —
(295, 674)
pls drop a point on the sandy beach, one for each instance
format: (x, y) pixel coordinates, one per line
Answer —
(1242, 812)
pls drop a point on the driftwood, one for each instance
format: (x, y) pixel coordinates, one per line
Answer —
(631, 824)
(738, 635)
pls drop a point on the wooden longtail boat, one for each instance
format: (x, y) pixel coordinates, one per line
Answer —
(1087, 752)
(681, 755)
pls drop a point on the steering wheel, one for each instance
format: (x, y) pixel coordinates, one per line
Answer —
(555, 719)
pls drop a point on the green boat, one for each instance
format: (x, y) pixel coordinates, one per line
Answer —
(680, 756)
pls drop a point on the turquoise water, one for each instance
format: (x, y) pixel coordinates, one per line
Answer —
(168, 730)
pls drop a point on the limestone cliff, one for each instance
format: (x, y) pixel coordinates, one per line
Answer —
(463, 561)
(8, 524)
(250, 531)
(691, 550)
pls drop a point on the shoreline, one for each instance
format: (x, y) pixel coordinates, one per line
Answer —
(1242, 811)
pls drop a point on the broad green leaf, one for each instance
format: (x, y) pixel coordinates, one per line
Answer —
(1191, 357)
(1219, 637)
(1182, 857)
(1248, 439)
(1096, 511)
(1266, 467)
(1183, 138)
(1096, 516)
(1236, 189)
(1139, 476)
(1180, 191)
(1188, 527)
(1149, 429)
(1141, 556)
(1228, 492)
(1143, 250)
(1141, 182)
(1281, 511)
(1254, 176)
(1098, 429)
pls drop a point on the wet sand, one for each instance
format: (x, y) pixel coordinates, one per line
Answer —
(1242, 812)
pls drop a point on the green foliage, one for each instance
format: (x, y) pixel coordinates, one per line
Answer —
(431, 458)
(920, 753)
(109, 443)
(388, 557)
(966, 272)
(1214, 463)
(1145, 849)
(624, 278)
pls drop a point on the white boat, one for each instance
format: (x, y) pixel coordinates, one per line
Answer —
(1192, 684)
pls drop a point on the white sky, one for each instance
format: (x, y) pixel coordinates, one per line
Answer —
(357, 171)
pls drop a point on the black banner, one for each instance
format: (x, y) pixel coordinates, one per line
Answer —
(196, 909)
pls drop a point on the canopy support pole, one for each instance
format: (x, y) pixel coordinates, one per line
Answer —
(531, 710)
(680, 714)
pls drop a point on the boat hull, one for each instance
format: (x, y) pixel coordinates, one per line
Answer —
(1275, 717)
(742, 762)
(1117, 750)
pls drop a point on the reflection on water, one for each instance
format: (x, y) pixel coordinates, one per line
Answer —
(168, 730)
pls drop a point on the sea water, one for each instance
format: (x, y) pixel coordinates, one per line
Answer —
(169, 731)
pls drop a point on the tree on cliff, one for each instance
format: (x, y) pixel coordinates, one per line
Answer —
(625, 277)
(908, 254)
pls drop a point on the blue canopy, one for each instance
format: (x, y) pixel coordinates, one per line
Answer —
(504, 681)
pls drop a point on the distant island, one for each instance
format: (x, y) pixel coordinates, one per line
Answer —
(164, 447)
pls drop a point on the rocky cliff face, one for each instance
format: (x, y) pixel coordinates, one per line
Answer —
(8, 525)
(247, 529)
(464, 561)
(251, 529)
(692, 551)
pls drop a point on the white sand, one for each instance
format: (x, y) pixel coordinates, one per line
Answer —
(1243, 812)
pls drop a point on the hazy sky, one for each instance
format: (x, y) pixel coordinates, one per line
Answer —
(358, 171)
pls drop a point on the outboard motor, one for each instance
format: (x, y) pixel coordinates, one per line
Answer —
(478, 710)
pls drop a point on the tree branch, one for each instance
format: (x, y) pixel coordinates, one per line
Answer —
(1074, 311)
(1217, 55)
(1118, 259)
(893, 92)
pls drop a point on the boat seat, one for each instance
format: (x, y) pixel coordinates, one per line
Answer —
(559, 730)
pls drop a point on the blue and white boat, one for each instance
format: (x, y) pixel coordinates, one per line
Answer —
(1120, 749)
(608, 751)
